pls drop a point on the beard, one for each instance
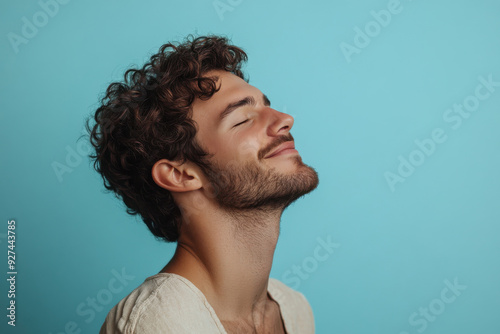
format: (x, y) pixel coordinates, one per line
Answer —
(253, 187)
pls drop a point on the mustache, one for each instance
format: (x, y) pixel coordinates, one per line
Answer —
(275, 143)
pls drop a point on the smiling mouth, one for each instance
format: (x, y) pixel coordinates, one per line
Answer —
(285, 148)
(285, 151)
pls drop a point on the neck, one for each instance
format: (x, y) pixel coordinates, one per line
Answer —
(229, 256)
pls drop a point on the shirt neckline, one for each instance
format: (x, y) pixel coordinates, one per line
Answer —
(270, 290)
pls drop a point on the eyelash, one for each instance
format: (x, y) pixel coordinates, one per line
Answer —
(240, 123)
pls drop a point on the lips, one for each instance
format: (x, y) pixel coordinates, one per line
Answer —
(285, 146)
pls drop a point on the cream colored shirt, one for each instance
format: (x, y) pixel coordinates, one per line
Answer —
(169, 303)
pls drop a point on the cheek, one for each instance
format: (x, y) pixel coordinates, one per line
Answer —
(248, 148)
(208, 141)
(231, 151)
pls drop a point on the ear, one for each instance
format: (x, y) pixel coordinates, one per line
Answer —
(176, 177)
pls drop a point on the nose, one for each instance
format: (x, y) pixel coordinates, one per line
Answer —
(279, 123)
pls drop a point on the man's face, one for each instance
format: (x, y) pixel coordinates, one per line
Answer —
(254, 164)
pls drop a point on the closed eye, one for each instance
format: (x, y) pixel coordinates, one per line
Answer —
(240, 123)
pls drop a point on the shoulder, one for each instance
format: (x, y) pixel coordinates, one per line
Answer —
(163, 303)
(293, 305)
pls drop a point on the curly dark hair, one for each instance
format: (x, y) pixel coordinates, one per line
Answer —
(147, 117)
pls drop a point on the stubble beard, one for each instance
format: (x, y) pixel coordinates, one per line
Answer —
(252, 187)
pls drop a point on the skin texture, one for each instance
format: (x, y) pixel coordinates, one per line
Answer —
(232, 211)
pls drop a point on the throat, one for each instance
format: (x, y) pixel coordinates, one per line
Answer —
(269, 322)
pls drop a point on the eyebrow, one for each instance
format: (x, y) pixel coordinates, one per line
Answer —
(249, 100)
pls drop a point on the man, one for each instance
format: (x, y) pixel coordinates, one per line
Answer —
(191, 146)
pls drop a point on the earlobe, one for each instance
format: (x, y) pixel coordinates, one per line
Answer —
(174, 176)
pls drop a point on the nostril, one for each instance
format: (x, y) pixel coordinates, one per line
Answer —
(285, 127)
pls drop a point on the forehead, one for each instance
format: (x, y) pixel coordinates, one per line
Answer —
(231, 89)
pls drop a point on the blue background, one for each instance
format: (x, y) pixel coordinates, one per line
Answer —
(356, 116)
